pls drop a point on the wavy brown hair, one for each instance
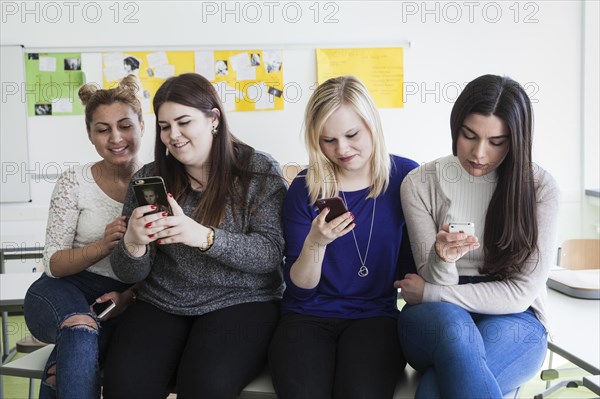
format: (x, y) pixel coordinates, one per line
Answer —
(510, 232)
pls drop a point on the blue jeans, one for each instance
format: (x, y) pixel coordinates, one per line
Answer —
(468, 355)
(48, 303)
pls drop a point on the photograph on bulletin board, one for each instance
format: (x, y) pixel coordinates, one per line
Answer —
(151, 68)
(52, 83)
(246, 80)
(380, 69)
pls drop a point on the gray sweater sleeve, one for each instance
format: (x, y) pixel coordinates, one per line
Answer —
(126, 267)
(258, 249)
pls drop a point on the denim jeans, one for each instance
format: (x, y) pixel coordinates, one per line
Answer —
(78, 351)
(468, 355)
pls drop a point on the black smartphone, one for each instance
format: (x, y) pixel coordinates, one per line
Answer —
(336, 207)
(102, 309)
(151, 191)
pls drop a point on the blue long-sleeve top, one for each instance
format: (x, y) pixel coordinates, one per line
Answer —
(341, 292)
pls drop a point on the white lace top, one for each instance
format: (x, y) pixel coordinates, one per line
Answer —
(79, 212)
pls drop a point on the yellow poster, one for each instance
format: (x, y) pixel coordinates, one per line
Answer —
(151, 67)
(380, 69)
(246, 80)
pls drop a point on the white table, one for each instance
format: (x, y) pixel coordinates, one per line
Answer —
(575, 330)
(574, 335)
(20, 246)
(13, 287)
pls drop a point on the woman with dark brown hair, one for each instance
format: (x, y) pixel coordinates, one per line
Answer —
(211, 272)
(475, 320)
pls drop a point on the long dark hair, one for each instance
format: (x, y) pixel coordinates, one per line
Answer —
(229, 157)
(510, 233)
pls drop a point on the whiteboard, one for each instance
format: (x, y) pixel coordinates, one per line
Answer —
(15, 183)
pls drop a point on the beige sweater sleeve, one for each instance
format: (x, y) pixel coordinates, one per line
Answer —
(420, 209)
(498, 297)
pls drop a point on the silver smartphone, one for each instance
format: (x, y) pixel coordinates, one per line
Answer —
(462, 227)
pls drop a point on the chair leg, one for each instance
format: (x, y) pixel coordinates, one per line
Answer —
(31, 388)
(557, 386)
(549, 368)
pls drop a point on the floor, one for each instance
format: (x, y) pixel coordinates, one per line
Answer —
(17, 388)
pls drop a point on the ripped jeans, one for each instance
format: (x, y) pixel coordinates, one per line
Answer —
(79, 349)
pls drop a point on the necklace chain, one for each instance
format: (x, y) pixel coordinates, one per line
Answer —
(364, 270)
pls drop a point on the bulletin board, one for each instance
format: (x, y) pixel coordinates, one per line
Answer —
(263, 88)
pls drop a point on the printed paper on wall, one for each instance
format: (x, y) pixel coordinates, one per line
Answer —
(380, 69)
(52, 83)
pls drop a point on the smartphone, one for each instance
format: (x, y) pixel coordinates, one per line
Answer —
(336, 207)
(151, 191)
(104, 308)
(462, 227)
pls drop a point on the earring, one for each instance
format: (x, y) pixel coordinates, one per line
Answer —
(214, 131)
(167, 152)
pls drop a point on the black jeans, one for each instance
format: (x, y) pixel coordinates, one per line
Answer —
(210, 356)
(317, 358)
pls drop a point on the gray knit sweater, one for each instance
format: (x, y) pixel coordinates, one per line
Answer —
(243, 265)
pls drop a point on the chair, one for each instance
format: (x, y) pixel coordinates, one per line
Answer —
(579, 254)
(27, 345)
(574, 254)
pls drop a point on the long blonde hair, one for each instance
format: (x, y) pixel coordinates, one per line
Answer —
(321, 179)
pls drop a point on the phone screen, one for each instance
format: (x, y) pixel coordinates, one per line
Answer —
(102, 309)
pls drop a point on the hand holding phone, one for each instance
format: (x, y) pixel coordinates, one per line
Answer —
(462, 227)
(103, 308)
(151, 191)
(336, 207)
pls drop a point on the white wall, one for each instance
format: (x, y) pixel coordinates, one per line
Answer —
(537, 43)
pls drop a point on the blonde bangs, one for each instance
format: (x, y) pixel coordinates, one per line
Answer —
(322, 175)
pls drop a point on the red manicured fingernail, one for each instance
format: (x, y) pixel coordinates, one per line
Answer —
(150, 235)
(165, 214)
(148, 224)
(351, 214)
(170, 195)
(153, 207)
(158, 241)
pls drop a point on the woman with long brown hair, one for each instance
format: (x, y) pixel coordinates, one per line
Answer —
(475, 323)
(211, 273)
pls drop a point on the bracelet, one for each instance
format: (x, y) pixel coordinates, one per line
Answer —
(210, 240)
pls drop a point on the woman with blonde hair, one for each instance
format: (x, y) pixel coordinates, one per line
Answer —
(337, 336)
(84, 225)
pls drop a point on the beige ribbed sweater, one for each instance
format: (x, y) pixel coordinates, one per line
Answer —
(426, 205)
